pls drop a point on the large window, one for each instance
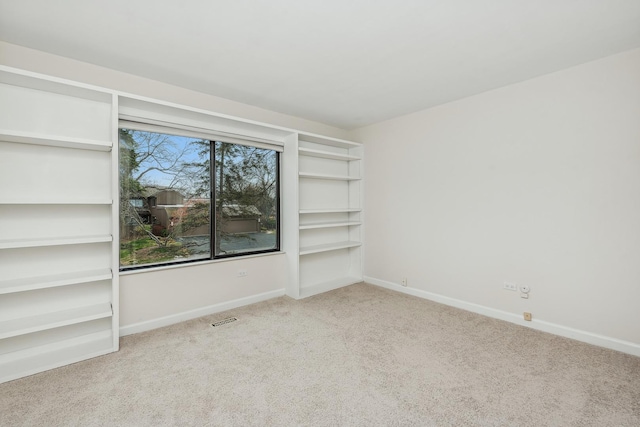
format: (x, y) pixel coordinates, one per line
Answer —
(185, 198)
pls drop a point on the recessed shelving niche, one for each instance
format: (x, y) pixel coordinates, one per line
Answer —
(58, 293)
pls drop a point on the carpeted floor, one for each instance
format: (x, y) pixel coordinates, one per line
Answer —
(357, 356)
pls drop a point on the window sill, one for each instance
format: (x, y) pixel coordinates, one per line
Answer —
(196, 263)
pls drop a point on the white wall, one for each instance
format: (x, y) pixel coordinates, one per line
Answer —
(536, 183)
(155, 298)
(170, 295)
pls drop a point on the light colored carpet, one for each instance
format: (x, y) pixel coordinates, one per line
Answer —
(357, 356)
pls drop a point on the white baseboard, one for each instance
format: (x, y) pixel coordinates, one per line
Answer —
(552, 328)
(199, 312)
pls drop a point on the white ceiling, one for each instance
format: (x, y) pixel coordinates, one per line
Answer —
(346, 63)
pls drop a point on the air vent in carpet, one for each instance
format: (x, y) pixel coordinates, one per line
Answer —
(224, 321)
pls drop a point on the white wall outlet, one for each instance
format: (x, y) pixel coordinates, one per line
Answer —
(404, 282)
(510, 286)
(243, 273)
(525, 289)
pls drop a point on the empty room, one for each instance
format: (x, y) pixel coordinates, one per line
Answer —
(336, 213)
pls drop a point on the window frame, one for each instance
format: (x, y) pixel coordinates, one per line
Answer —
(211, 137)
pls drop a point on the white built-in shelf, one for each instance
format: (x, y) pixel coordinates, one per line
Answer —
(328, 177)
(52, 348)
(326, 154)
(55, 141)
(328, 247)
(326, 211)
(44, 321)
(31, 80)
(329, 225)
(329, 141)
(39, 358)
(53, 281)
(57, 201)
(56, 241)
(310, 289)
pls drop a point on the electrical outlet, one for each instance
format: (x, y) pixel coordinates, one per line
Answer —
(527, 316)
(404, 282)
(510, 286)
(243, 273)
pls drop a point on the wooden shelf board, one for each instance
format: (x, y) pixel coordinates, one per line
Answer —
(33, 201)
(328, 247)
(28, 79)
(329, 225)
(41, 322)
(54, 280)
(326, 154)
(328, 177)
(40, 358)
(58, 241)
(54, 141)
(322, 211)
(318, 288)
(324, 140)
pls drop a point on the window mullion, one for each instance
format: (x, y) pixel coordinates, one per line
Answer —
(213, 212)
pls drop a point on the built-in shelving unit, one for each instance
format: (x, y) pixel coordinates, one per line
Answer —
(58, 293)
(59, 212)
(329, 251)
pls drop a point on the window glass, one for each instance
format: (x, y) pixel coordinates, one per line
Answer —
(166, 211)
(246, 184)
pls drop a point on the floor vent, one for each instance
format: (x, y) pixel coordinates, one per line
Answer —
(224, 321)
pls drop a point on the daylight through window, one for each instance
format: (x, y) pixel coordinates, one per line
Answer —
(175, 207)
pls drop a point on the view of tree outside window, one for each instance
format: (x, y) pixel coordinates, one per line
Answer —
(166, 211)
(246, 194)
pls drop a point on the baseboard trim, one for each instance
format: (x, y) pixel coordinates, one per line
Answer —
(541, 325)
(199, 312)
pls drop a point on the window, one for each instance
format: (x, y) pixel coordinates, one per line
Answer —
(175, 207)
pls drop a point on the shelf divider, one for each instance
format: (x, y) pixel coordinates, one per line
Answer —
(54, 280)
(54, 141)
(326, 154)
(40, 322)
(329, 225)
(44, 201)
(307, 290)
(328, 247)
(55, 241)
(40, 358)
(328, 177)
(330, 210)
(329, 141)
